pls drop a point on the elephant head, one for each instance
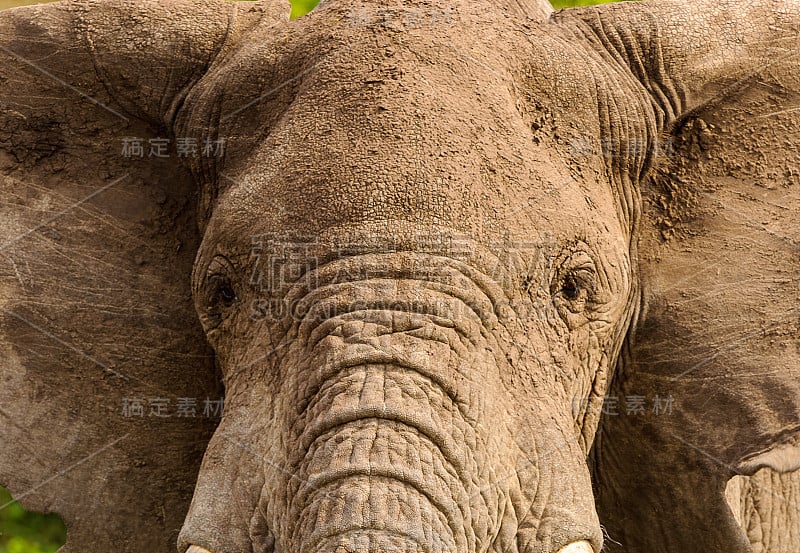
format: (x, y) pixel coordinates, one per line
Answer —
(417, 243)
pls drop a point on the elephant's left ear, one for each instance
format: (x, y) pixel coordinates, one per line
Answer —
(714, 357)
(107, 388)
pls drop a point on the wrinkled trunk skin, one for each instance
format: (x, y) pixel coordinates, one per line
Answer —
(383, 476)
(391, 428)
(373, 463)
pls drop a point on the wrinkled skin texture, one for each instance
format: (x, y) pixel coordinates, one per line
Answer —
(439, 235)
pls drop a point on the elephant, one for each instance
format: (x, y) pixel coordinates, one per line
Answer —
(402, 275)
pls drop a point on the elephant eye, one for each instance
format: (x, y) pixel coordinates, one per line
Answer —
(222, 290)
(219, 291)
(570, 287)
(575, 285)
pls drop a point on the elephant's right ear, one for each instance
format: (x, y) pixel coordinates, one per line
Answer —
(108, 391)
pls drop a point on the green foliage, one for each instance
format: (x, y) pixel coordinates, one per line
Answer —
(302, 7)
(24, 532)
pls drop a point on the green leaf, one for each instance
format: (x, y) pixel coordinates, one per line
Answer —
(25, 532)
(302, 7)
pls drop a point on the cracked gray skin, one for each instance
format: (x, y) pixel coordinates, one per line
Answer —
(439, 235)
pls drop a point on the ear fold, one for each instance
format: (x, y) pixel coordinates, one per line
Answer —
(104, 369)
(718, 261)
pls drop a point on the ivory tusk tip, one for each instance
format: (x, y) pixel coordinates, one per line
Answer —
(577, 547)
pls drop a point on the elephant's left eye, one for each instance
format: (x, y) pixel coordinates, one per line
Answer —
(575, 284)
(576, 288)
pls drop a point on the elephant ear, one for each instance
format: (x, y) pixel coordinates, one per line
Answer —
(709, 382)
(104, 371)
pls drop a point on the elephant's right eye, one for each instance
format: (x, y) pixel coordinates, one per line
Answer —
(222, 291)
(220, 294)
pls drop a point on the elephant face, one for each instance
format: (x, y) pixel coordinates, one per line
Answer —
(403, 345)
(439, 236)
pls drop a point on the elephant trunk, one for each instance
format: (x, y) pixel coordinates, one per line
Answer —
(390, 449)
(381, 471)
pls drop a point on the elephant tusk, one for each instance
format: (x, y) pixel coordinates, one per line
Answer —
(574, 547)
(196, 549)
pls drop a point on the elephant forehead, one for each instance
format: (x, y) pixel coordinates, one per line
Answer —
(361, 68)
(434, 160)
(466, 65)
(384, 116)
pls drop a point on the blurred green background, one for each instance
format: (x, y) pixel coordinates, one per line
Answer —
(24, 532)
